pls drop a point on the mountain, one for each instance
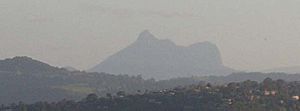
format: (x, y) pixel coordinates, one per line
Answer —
(163, 59)
(290, 70)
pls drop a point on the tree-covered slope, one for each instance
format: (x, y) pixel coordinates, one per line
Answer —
(249, 95)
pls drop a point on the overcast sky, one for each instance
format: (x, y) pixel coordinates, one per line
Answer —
(251, 34)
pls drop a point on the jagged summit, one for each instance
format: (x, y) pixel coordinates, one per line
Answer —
(147, 39)
(163, 59)
(146, 36)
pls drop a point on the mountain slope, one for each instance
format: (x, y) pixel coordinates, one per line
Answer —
(163, 59)
(49, 83)
(268, 95)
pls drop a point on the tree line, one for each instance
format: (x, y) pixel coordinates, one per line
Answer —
(268, 95)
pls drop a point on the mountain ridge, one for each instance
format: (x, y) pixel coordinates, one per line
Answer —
(290, 69)
(161, 58)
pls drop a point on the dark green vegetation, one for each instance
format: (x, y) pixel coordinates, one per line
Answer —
(244, 96)
(28, 80)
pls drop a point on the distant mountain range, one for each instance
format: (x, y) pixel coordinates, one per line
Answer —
(163, 59)
(290, 70)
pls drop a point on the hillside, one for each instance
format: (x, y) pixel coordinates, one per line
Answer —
(28, 80)
(268, 95)
(244, 76)
(25, 65)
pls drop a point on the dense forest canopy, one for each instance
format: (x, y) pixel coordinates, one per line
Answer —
(28, 80)
(269, 95)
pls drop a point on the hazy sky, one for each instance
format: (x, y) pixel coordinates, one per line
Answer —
(251, 34)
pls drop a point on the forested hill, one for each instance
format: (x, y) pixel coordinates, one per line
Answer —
(243, 76)
(244, 96)
(28, 80)
(25, 65)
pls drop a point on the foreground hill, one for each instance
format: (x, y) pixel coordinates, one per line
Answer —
(28, 80)
(163, 59)
(244, 96)
(25, 65)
